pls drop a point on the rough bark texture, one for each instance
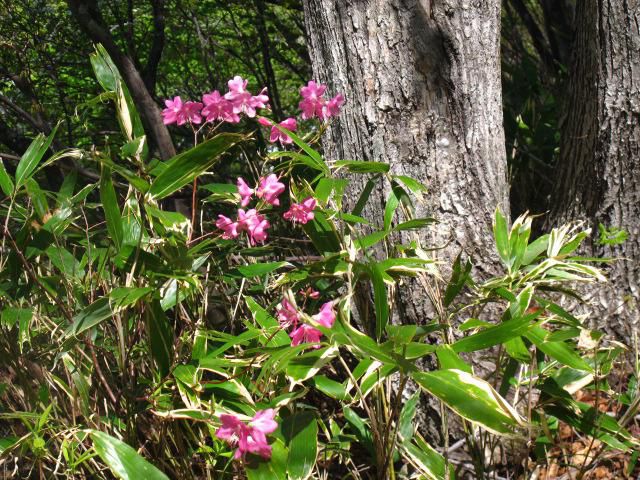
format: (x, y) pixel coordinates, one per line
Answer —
(423, 91)
(599, 167)
(422, 83)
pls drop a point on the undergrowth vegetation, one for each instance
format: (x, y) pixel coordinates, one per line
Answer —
(259, 337)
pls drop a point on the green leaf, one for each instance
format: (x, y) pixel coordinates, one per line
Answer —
(392, 204)
(266, 321)
(449, 359)
(459, 277)
(535, 249)
(330, 387)
(405, 422)
(38, 198)
(494, 335)
(314, 155)
(7, 443)
(134, 148)
(358, 166)
(414, 224)
(322, 234)
(31, 158)
(6, 184)
(220, 188)
(501, 236)
(298, 158)
(559, 351)
(471, 398)
(11, 316)
(413, 185)
(430, 463)
(160, 336)
(260, 269)
(369, 240)
(363, 430)
(274, 469)
(123, 460)
(97, 312)
(308, 364)
(183, 168)
(111, 81)
(380, 300)
(111, 208)
(64, 261)
(300, 432)
(364, 196)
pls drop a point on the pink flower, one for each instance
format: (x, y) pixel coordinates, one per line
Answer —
(326, 317)
(301, 212)
(250, 438)
(332, 108)
(269, 189)
(244, 191)
(261, 100)
(312, 101)
(263, 421)
(170, 114)
(229, 227)
(190, 113)
(287, 314)
(254, 224)
(305, 334)
(278, 135)
(218, 108)
(241, 98)
(310, 293)
(230, 429)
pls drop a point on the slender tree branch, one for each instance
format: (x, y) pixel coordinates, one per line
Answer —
(88, 16)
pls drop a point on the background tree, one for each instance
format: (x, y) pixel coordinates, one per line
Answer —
(426, 100)
(598, 173)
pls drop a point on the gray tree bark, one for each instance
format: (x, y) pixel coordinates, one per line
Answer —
(423, 93)
(599, 166)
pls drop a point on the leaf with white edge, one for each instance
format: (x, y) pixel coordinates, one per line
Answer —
(6, 184)
(501, 236)
(471, 398)
(123, 460)
(183, 168)
(31, 158)
(429, 462)
(559, 351)
(266, 321)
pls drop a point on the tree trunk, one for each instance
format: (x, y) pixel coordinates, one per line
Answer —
(599, 166)
(423, 92)
(88, 15)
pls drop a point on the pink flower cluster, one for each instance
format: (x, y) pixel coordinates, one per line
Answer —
(289, 317)
(314, 104)
(216, 107)
(251, 437)
(269, 188)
